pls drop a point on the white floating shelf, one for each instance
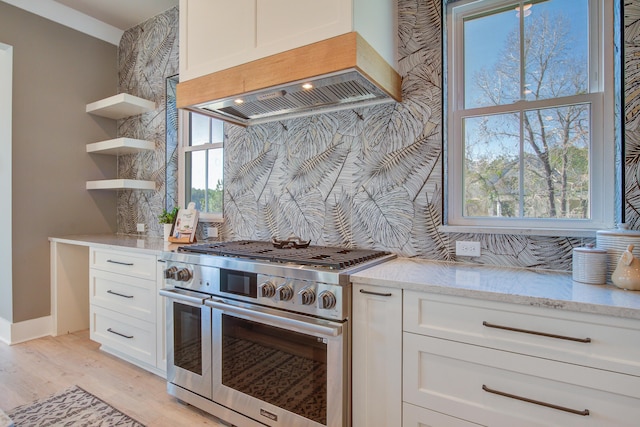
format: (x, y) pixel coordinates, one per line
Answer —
(119, 146)
(121, 184)
(120, 106)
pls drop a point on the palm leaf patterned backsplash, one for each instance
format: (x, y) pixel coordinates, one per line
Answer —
(368, 177)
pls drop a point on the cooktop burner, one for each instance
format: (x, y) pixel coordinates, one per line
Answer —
(325, 256)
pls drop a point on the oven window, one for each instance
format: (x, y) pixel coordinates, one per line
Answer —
(287, 369)
(187, 337)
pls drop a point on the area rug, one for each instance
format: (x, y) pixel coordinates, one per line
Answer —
(73, 407)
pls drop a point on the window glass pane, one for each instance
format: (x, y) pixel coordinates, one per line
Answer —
(200, 132)
(491, 59)
(214, 199)
(204, 183)
(556, 153)
(205, 130)
(217, 134)
(555, 52)
(492, 166)
(556, 49)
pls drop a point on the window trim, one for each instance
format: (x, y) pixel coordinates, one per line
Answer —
(602, 181)
(183, 148)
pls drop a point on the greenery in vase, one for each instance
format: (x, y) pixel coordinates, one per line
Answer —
(168, 217)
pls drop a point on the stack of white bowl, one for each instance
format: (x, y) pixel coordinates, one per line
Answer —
(590, 265)
(615, 242)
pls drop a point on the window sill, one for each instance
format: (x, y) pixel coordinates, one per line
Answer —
(517, 231)
(211, 219)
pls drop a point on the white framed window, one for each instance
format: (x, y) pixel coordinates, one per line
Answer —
(529, 101)
(200, 165)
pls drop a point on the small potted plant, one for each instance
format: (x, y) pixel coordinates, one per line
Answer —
(168, 218)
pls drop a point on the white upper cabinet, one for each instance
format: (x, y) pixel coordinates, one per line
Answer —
(219, 34)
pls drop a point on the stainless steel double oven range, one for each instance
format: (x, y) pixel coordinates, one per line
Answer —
(258, 332)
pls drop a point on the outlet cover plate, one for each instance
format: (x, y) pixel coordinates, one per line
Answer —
(467, 248)
(140, 228)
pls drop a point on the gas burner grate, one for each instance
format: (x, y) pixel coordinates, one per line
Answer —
(317, 256)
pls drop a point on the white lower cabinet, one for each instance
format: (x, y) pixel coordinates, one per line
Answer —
(124, 335)
(415, 416)
(125, 307)
(470, 362)
(377, 356)
(502, 364)
(498, 388)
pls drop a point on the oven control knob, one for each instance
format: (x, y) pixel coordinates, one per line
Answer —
(170, 272)
(183, 275)
(307, 296)
(327, 300)
(267, 290)
(285, 293)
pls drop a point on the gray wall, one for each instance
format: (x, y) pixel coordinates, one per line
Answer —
(57, 71)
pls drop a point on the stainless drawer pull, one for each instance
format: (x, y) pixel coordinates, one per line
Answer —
(118, 333)
(380, 294)
(544, 334)
(119, 262)
(120, 295)
(584, 412)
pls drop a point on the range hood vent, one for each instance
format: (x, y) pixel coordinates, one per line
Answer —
(342, 72)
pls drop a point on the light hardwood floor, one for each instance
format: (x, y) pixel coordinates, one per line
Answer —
(42, 367)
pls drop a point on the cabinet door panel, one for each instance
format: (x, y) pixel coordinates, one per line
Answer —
(123, 262)
(539, 331)
(450, 377)
(215, 35)
(130, 295)
(285, 24)
(124, 334)
(377, 356)
(414, 416)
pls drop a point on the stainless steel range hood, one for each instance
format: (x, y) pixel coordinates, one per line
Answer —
(341, 72)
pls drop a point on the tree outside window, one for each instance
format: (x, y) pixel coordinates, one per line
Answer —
(203, 165)
(526, 110)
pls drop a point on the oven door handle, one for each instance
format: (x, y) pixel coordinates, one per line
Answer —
(312, 328)
(181, 296)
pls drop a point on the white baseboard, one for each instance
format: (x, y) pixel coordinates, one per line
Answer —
(14, 333)
(5, 331)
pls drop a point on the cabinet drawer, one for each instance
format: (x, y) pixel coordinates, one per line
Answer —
(450, 377)
(543, 332)
(414, 416)
(127, 335)
(123, 262)
(124, 294)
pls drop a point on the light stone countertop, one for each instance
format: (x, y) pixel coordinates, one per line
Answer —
(512, 285)
(143, 244)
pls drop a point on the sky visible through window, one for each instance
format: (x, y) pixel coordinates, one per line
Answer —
(487, 37)
(523, 159)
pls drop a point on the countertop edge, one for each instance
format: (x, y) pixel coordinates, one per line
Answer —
(140, 244)
(522, 286)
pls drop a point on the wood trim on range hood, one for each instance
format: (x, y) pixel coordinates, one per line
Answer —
(341, 54)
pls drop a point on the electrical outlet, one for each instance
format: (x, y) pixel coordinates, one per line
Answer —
(467, 248)
(140, 228)
(212, 232)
